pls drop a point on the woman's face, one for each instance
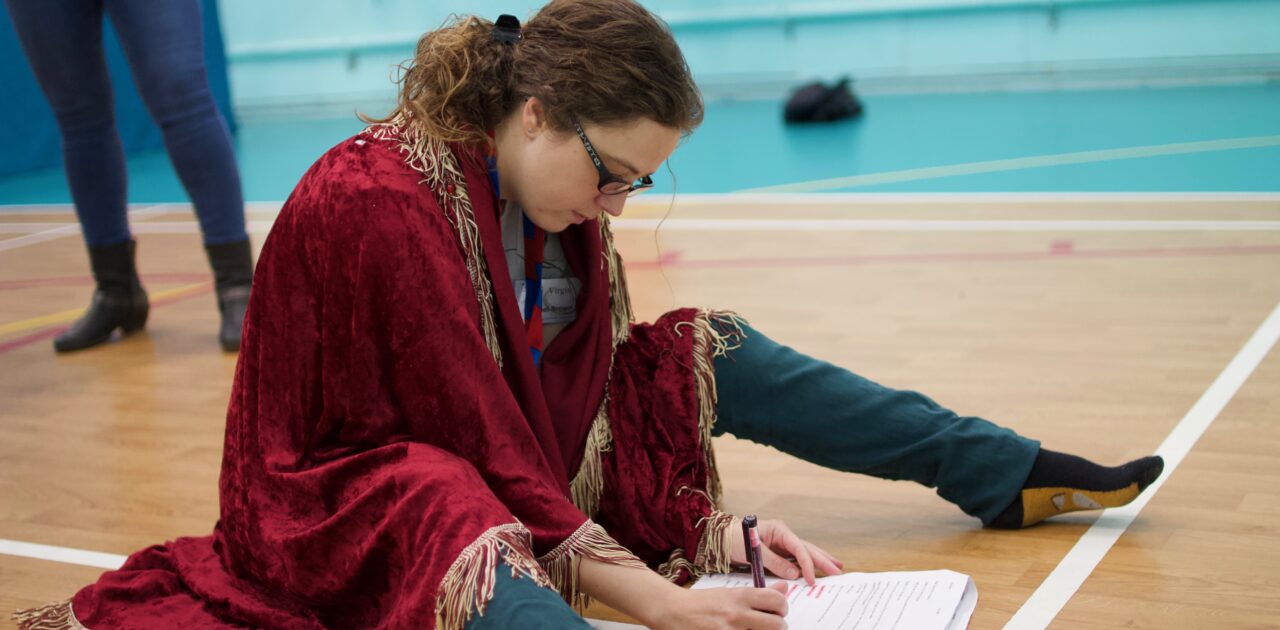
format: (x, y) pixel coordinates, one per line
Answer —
(549, 174)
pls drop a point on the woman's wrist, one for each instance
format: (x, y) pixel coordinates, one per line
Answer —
(733, 541)
(668, 605)
(640, 593)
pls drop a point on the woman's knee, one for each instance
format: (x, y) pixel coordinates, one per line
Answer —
(520, 602)
(174, 97)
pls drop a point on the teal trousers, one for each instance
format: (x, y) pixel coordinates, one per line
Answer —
(825, 414)
(519, 603)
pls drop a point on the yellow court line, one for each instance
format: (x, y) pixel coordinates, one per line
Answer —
(63, 317)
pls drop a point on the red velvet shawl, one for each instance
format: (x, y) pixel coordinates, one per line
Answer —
(388, 438)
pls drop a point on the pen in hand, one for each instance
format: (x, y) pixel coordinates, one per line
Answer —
(751, 538)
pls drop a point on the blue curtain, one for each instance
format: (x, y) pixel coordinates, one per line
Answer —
(28, 133)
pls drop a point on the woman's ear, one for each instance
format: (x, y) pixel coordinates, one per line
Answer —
(533, 117)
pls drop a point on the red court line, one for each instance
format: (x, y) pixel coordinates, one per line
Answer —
(675, 258)
(49, 333)
(1057, 252)
(62, 281)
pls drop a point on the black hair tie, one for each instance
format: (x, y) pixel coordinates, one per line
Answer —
(507, 29)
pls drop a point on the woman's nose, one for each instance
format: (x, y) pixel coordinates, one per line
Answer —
(613, 204)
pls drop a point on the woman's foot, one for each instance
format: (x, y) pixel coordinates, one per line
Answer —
(1061, 483)
(118, 301)
(232, 265)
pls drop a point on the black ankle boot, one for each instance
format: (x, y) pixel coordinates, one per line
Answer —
(118, 302)
(233, 274)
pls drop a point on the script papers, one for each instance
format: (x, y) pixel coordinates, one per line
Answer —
(914, 600)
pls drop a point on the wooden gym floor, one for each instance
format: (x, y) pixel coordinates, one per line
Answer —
(1092, 323)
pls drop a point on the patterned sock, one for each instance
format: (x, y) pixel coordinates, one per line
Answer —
(1061, 483)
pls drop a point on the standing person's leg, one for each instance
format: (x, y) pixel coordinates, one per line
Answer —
(63, 42)
(825, 414)
(165, 46)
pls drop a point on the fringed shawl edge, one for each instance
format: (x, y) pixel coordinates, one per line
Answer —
(54, 616)
(468, 584)
(589, 541)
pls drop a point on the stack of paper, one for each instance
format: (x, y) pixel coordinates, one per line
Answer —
(915, 600)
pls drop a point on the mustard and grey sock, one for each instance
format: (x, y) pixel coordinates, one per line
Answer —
(1061, 483)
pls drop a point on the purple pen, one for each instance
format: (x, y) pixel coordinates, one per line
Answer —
(752, 540)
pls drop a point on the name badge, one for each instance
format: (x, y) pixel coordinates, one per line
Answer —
(559, 299)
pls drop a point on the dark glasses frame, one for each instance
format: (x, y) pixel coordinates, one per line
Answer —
(609, 183)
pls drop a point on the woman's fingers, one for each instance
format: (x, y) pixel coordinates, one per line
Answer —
(771, 599)
(764, 621)
(739, 608)
(781, 538)
(788, 556)
(824, 561)
(800, 550)
(786, 540)
(779, 565)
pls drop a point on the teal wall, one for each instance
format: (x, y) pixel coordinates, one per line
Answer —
(332, 56)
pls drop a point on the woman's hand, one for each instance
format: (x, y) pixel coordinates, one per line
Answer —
(658, 603)
(786, 555)
(724, 609)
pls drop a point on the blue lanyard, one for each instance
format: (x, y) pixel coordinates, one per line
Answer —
(533, 273)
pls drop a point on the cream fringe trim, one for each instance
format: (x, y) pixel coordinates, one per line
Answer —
(441, 173)
(715, 334)
(588, 485)
(619, 294)
(55, 616)
(712, 555)
(589, 541)
(670, 569)
(468, 584)
(713, 550)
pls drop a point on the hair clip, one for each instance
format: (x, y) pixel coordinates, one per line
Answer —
(507, 29)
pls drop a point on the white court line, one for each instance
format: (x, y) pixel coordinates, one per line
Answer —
(946, 198)
(781, 225)
(1047, 601)
(939, 225)
(153, 227)
(825, 198)
(39, 237)
(72, 228)
(1035, 161)
(23, 209)
(61, 554)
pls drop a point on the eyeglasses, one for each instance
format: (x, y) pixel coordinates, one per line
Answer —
(609, 183)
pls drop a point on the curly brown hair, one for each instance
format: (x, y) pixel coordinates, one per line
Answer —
(605, 61)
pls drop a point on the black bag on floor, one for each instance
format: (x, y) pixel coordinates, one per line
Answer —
(816, 102)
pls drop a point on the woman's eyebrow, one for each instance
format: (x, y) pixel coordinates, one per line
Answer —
(625, 165)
